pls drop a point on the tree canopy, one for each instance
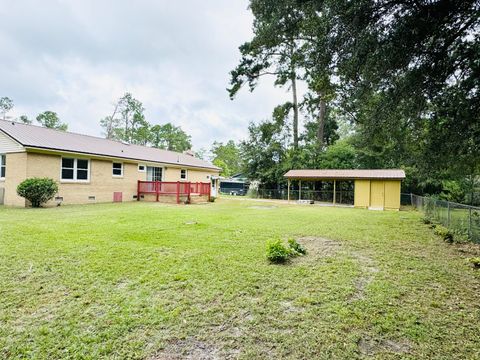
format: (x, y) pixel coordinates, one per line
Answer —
(127, 123)
(6, 104)
(227, 157)
(50, 119)
(404, 74)
(170, 137)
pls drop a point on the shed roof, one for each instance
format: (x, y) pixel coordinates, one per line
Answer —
(347, 174)
(43, 138)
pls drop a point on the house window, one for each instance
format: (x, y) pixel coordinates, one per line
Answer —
(3, 166)
(154, 173)
(141, 168)
(183, 174)
(75, 169)
(117, 169)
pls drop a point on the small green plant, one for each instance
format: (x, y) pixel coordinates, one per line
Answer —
(460, 236)
(212, 199)
(426, 220)
(299, 249)
(37, 190)
(444, 233)
(277, 252)
(475, 261)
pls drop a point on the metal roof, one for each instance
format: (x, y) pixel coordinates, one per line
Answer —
(42, 138)
(346, 174)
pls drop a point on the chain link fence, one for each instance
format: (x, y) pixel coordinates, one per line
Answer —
(464, 219)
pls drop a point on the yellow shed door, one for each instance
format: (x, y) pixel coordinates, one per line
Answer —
(392, 195)
(362, 193)
(377, 194)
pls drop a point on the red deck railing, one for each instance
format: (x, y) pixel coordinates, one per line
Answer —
(178, 189)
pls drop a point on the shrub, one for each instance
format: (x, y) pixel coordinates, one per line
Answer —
(296, 247)
(37, 190)
(475, 261)
(444, 233)
(277, 252)
(426, 220)
(460, 236)
(212, 199)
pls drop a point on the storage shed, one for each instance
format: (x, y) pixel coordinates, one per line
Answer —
(376, 189)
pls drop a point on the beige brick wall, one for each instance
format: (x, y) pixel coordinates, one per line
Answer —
(173, 174)
(16, 172)
(102, 184)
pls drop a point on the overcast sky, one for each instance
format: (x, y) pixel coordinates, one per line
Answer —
(77, 57)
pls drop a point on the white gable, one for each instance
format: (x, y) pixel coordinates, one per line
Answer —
(7, 145)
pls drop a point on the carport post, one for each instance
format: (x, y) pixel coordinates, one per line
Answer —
(334, 191)
(288, 190)
(299, 189)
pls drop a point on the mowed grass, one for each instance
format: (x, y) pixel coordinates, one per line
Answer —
(146, 280)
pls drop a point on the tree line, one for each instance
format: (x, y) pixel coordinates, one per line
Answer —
(390, 84)
(48, 119)
(127, 123)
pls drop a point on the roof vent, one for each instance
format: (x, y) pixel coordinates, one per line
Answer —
(189, 153)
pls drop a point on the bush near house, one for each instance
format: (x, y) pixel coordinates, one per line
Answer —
(37, 190)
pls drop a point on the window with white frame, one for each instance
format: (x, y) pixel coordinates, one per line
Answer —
(75, 169)
(183, 174)
(141, 167)
(117, 169)
(3, 166)
(154, 173)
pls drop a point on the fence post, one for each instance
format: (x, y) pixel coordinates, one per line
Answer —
(138, 190)
(448, 214)
(178, 192)
(411, 199)
(157, 189)
(470, 222)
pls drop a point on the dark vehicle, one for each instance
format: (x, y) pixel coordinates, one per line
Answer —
(237, 185)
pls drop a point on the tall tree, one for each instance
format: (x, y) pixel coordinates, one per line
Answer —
(127, 122)
(170, 137)
(272, 51)
(50, 119)
(265, 152)
(6, 104)
(227, 157)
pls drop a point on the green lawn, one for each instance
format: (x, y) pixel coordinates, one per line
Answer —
(145, 280)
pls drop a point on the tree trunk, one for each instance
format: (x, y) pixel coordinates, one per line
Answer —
(295, 111)
(321, 121)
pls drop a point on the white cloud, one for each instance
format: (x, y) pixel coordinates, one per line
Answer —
(78, 57)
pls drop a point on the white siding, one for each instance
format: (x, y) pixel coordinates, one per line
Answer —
(7, 145)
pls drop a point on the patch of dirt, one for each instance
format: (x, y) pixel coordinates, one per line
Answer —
(290, 308)
(318, 247)
(369, 270)
(371, 346)
(259, 207)
(190, 349)
(122, 284)
(468, 249)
